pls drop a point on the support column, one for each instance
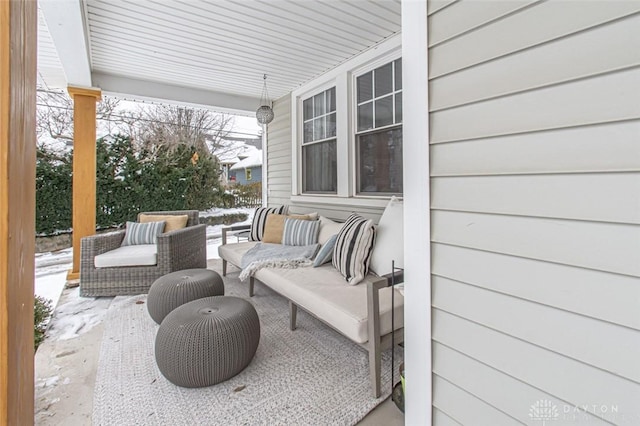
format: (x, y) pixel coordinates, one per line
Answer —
(18, 77)
(84, 169)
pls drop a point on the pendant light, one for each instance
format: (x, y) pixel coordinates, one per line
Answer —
(264, 114)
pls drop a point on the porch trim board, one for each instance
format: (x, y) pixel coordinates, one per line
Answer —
(417, 214)
(18, 77)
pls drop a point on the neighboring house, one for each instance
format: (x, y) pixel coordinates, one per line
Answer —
(248, 169)
(231, 151)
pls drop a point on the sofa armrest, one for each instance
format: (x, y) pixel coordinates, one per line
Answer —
(184, 248)
(227, 229)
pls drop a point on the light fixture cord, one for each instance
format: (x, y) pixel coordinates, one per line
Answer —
(264, 98)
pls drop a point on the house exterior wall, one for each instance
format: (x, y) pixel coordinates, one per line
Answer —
(279, 172)
(241, 175)
(535, 211)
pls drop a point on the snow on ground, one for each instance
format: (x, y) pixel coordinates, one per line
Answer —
(80, 314)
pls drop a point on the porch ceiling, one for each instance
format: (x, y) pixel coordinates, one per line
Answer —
(209, 52)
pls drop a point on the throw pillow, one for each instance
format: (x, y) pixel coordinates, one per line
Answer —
(328, 228)
(173, 222)
(142, 233)
(260, 220)
(300, 232)
(352, 252)
(275, 226)
(389, 239)
(326, 252)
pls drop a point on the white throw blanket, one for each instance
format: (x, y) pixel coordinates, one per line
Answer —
(265, 255)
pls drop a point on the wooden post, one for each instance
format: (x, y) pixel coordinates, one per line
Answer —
(18, 76)
(84, 169)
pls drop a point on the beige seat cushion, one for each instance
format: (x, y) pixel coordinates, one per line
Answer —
(233, 253)
(136, 255)
(173, 222)
(274, 226)
(324, 292)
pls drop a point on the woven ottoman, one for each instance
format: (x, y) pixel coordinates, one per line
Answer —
(207, 341)
(177, 288)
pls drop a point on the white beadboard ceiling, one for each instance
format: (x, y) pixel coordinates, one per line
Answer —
(182, 49)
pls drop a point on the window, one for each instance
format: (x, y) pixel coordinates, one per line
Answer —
(248, 174)
(379, 130)
(319, 158)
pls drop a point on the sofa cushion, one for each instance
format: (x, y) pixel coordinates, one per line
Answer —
(389, 239)
(274, 226)
(173, 222)
(300, 232)
(328, 228)
(352, 252)
(323, 292)
(233, 252)
(260, 220)
(135, 255)
(142, 233)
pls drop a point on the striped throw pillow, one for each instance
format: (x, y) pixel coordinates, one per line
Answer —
(299, 232)
(142, 233)
(260, 220)
(326, 252)
(354, 244)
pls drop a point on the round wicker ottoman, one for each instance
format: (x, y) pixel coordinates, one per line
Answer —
(207, 341)
(177, 288)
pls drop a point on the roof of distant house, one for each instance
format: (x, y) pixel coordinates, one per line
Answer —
(232, 151)
(253, 159)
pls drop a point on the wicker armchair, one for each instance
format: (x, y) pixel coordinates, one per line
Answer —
(181, 249)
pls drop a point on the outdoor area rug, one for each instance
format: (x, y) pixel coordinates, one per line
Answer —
(310, 376)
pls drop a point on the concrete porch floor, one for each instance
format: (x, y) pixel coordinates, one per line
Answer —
(66, 373)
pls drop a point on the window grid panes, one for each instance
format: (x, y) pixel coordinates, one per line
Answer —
(379, 95)
(319, 155)
(319, 117)
(379, 130)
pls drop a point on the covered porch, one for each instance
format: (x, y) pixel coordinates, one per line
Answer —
(211, 55)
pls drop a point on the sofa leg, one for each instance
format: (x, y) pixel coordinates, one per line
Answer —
(293, 314)
(374, 371)
(252, 281)
(224, 268)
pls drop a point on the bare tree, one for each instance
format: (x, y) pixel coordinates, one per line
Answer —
(54, 114)
(171, 126)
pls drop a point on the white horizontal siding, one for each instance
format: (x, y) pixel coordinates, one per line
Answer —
(448, 397)
(569, 150)
(535, 222)
(524, 30)
(608, 297)
(605, 247)
(488, 384)
(564, 378)
(616, 350)
(607, 197)
(566, 105)
(466, 15)
(572, 57)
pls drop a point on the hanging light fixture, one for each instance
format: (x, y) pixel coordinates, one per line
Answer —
(264, 114)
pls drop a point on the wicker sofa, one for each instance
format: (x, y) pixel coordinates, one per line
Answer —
(362, 313)
(176, 250)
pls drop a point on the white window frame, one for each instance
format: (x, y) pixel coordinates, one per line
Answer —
(300, 133)
(342, 77)
(392, 56)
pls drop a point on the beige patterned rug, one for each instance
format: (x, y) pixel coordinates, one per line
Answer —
(310, 376)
